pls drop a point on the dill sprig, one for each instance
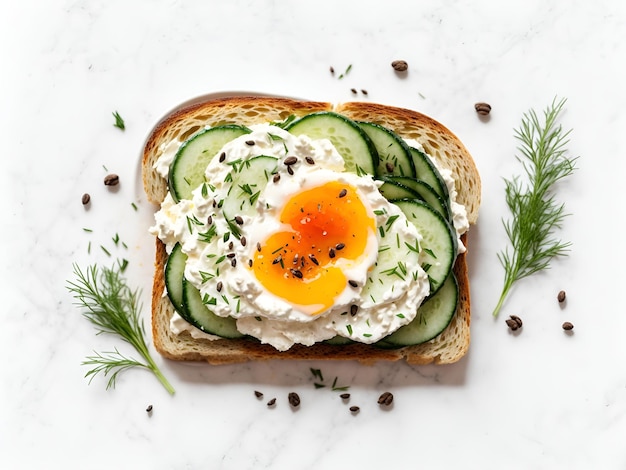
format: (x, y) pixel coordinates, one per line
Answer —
(534, 209)
(112, 307)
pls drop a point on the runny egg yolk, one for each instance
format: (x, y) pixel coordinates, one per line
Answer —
(327, 227)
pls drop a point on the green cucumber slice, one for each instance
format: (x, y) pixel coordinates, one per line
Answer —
(202, 318)
(392, 189)
(423, 191)
(248, 179)
(352, 143)
(433, 316)
(439, 240)
(426, 171)
(394, 155)
(193, 156)
(174, 272)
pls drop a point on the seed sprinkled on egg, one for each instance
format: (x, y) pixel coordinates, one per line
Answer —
(343, 192)
(353, 283)
(290, 170)
(331, 253)
(243, 241)
(340, 246)
(314, 260)
(297, 273)
(290, 161)
(354, 309)
(276, 178)
(258, 246)
(219, 286)
(310, 160)
(222, 156)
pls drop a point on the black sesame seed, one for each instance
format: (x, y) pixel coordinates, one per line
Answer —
(344, 396)
(230, 255)
(290, 170)
(342, 193)
(231, 245)
(331, 252)
(294, 399)
(219, 286)
(250, 142)
(272, 402)
(258, 246)
(314, 260)
(258, 394)
(290, 161)
(340, 246)
(243, 241)
(353, 283)
(222, 157)
(250, 262)
(239, 220)
(276, 178)
(354, 409)
(277, 260)
(354, 309)
(209, 221)
(297, 273)
(310, 160)
(233, 262)
(149, 409)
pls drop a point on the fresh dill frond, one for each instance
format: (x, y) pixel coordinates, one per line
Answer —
(119, 122)
(535, 213)
(113, 308)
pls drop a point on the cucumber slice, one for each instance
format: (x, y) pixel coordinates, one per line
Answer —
(193, 156)
(394, 155)
(202, 318)
(426, 171)
(392, 189)
(174, 272)
(423, 191)
(352, 143)
(433, 316)
(439, 240)
(248, 179)
(338, 341)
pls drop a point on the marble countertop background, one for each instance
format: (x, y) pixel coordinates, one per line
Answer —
(538, 399)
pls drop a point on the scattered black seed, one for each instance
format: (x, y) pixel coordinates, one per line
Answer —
(389, 167)
(258, 246)
(332, 71)
(343, 192)
(400, 65)
(354, 409)
(354, 309)
(250, 142)
(514, 322)
(231, 245)
(276, 178)
(344, 396)
(314, 260)
(567, 326)
(209, 221)
(149, 409)
(353, 283)
(290, 170)
(239, 220)
(353, 90)
(111, 180)
(290, 161)
(272, 402)
(517, 320)
(297, 273)
(340, 246)
(561, 296)
(243, 241)
(385, 399)
(277, 260)
(219, 286)
(222, 156)
(295, 258)
(214, 203)
(364, 92)
(294, 399)
(482, 108)
(250, 262)
(230, 255)
(331, 252)
(85, 199)
(310, 160)
(258, 394)
(233, 262)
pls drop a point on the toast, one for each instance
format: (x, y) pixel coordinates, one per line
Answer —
(437, 140)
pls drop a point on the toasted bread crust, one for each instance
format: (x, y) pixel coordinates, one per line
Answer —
(450, 346)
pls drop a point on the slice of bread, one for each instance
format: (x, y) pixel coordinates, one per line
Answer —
(437, 140)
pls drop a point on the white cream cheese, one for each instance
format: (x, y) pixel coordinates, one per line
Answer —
(366, 314)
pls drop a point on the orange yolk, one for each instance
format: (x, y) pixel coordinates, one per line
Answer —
(326, 223)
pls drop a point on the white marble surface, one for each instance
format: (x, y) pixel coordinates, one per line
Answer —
(540, 399)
